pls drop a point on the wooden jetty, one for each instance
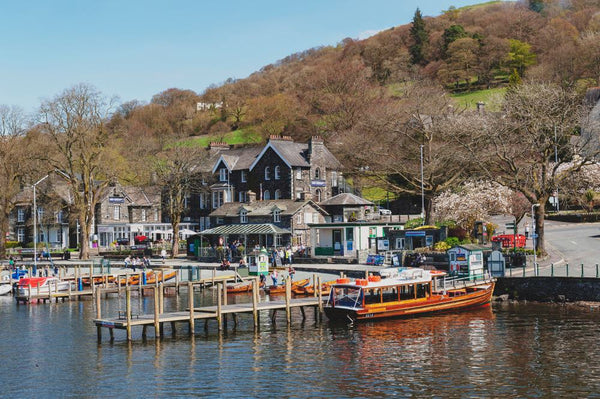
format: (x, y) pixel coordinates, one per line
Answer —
(76, 289)
(126, 320)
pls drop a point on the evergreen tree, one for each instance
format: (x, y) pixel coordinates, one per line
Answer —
(451, 34)
(420, 38)
(536, 5)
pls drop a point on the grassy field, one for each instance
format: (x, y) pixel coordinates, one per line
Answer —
(235, 137)
(489, 97)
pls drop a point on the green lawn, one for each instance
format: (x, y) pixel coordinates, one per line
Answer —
(235, 137)
(471, 99)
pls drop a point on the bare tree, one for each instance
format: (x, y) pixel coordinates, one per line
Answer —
(74, 122)
(179, 173)
(14, 164)
(537, 120)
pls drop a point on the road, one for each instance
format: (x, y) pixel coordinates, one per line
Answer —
(574, 244)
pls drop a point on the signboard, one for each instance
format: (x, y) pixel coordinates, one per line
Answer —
(383, 245)
(116, 200)
(417, 233)
(318, 183)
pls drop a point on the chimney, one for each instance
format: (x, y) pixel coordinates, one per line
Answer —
(251, 196)
(306, 196)
(480, 107)
(218, 146)
(315, 147)
(274, 137)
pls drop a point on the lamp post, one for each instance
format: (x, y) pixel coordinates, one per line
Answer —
(556, 204)
(422, 190)
(35, 211)
(533, 236)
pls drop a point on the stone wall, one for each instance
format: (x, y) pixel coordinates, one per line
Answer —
(549, 289)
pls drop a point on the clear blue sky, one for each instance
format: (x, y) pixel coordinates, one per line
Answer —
(135, 49)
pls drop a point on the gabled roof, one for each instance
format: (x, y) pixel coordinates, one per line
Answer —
(345, 199)
(292, 154)
(264, 208)
(237, 158)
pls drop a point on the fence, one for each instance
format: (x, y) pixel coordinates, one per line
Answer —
(562, 270)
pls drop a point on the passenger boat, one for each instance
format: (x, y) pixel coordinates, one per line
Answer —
(151, 277)
(41, 285)
(403, 292)
(244, 286)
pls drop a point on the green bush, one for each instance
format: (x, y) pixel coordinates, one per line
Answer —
(413, 223)
(452, 241)
(12, 244)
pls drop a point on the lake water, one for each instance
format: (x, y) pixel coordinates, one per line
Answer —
(506, 350)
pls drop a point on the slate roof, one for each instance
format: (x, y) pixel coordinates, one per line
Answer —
(240, 158)
(345, 199)
(263, 208)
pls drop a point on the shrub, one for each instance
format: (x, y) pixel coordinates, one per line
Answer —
(412, 223)
(441, 246)
(452, 241)
(12, 244)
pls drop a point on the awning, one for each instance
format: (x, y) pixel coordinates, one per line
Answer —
(246, 228)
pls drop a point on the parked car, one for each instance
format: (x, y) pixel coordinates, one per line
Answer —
(383, 211)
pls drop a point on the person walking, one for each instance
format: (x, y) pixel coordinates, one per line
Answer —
(163, 255)
(274, 277)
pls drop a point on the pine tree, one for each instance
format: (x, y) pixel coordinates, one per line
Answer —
(420, 38)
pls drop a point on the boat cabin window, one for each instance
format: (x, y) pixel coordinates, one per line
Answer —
(372, 296)
(346, 296)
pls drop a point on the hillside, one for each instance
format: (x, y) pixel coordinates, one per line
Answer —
(471, 53)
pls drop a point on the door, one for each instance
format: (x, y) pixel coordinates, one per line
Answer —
(337, 241)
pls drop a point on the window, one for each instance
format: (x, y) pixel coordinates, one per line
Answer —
(243, 216)
(40, 213)
(334, 181)
(202, 200)
(298, 173)
(21, 234)
(315, 217)
(117, 212)
(223, 174)
(317, 173)
(267, 173)
(242, 196)
(318, 195)
(276, 216)
(20, 215)
(277, 194)
(58, 216)
(144, 215)
(156, 215)
(277, 171)
(217, 199)
(299, 218)
(267, 195)
(243, 176)
(298, 194)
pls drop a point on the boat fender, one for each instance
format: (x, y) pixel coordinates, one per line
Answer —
(342, 280)
(361, 281)
(374, 279)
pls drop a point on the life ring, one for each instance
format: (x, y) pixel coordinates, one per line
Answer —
(342, 280)
(374, 279)
(361, 281)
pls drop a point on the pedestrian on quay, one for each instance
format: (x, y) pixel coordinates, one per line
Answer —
(163, 255)
(274, 277)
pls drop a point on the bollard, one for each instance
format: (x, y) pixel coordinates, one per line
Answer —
(567, 270)
(524, 269)
(596, 270)
(582, 273)
(551, 269)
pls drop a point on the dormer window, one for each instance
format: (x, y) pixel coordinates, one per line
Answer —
(277, 171)
(267, 173)
(243, 216)
(276, 216)
(223, 174)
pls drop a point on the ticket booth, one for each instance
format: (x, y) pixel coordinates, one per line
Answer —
(258, 263)
(466, 261)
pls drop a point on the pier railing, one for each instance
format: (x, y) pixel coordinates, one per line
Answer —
(467, 281)
(556, 270)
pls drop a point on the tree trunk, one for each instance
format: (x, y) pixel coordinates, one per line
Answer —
(84, 241)
(3, 230)
(540, 212)
(428, 211)
(175, 250)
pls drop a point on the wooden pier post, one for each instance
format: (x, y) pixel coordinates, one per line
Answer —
(161, 297)
(91, 274)
(224, 303)
(191, 306)
(128, 312)
(156, 314)
(98, 305)
(320, 295)
(219, 299)
(214, 271)
(98, 316)
(177, 281)
(315, 285)
(255, 302)
(288, 297)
